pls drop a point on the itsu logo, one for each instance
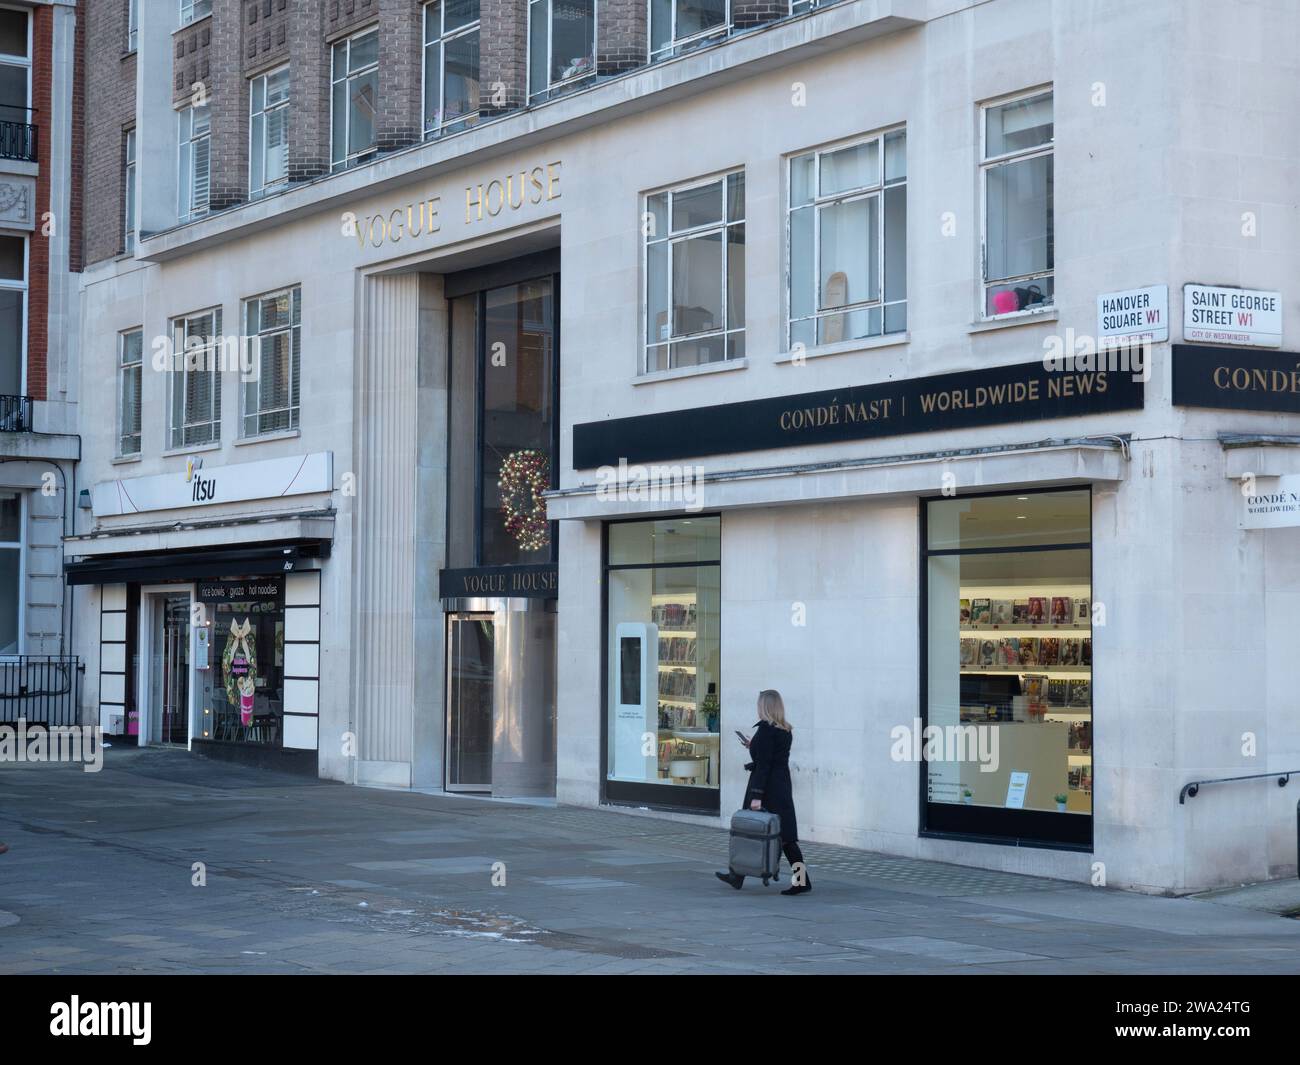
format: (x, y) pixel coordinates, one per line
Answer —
(203, 489)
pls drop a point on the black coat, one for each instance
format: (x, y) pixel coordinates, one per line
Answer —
(769, 776)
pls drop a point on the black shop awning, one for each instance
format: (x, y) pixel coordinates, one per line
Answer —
(254, 560)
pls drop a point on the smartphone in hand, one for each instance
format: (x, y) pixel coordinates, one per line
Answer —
(742, 737)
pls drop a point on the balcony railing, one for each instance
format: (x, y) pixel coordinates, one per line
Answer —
(40, 689)
(15, 414)
(17, 141)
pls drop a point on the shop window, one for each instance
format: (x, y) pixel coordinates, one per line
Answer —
(13, 329)
(130, 363)
(561, 46)
(451, 65)
(128, 193)
(1009, 653)
(846, 237)
(354, 94)
(195, 182)
(268, 132)
(694, 271)
(662, 646)
(195, 411)
(678, 25)
(273, 333)
(1016, 175)
(242, 693)
(11, 571)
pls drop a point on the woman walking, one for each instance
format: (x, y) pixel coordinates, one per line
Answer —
(769, 787)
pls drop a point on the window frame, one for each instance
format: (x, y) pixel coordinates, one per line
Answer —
(820, 202)
(185, 121)
(252, 342)
(178, 324)
(192, 11)
(556, 88)
(23, 287)
(132, 25)
(19, 545)
(980, 824)
(25, 61)
(685, 798)
(268, 187)
(122, 368)
(464, 121)
(129, 220)
(676, 237)
(987, 165)
(352, 159)
(675, 45)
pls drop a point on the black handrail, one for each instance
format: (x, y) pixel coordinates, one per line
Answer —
(1192, 788)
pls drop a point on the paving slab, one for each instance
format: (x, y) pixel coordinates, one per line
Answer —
(305, 876)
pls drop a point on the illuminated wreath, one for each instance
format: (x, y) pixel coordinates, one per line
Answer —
(525, 475)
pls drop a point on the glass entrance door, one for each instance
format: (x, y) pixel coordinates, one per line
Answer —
(169, 696)
(469, 702)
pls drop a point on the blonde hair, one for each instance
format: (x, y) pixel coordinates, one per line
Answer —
(771, 708)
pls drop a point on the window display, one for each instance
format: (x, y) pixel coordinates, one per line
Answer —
(663, 651)
(242, 690)
(1009, 649)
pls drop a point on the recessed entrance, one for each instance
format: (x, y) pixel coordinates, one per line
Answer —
(169, 671)
(470, 667)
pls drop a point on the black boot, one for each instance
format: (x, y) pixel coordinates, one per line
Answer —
(800, 881)
(734, 879)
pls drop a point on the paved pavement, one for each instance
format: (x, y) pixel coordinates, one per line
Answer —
(310, 877)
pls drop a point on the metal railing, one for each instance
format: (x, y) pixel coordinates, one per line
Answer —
(18, 141)
(40, 689)
(1192, 788)
(15, 414)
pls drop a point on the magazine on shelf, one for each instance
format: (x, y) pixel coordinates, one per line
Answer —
(1037, 610)
(1001, 611)
(1062, 610)
(979, 612)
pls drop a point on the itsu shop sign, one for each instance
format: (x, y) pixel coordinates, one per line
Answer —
(1241, 316)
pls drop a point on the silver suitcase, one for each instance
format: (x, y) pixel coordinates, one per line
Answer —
(755, 844)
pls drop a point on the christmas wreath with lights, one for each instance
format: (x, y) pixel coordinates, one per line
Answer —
(524, 476)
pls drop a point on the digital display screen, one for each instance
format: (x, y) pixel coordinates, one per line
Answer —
(629, 670)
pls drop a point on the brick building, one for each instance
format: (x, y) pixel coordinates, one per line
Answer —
(39, 291)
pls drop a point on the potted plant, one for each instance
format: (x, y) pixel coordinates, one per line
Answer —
(1060, 803)
(967, 796)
